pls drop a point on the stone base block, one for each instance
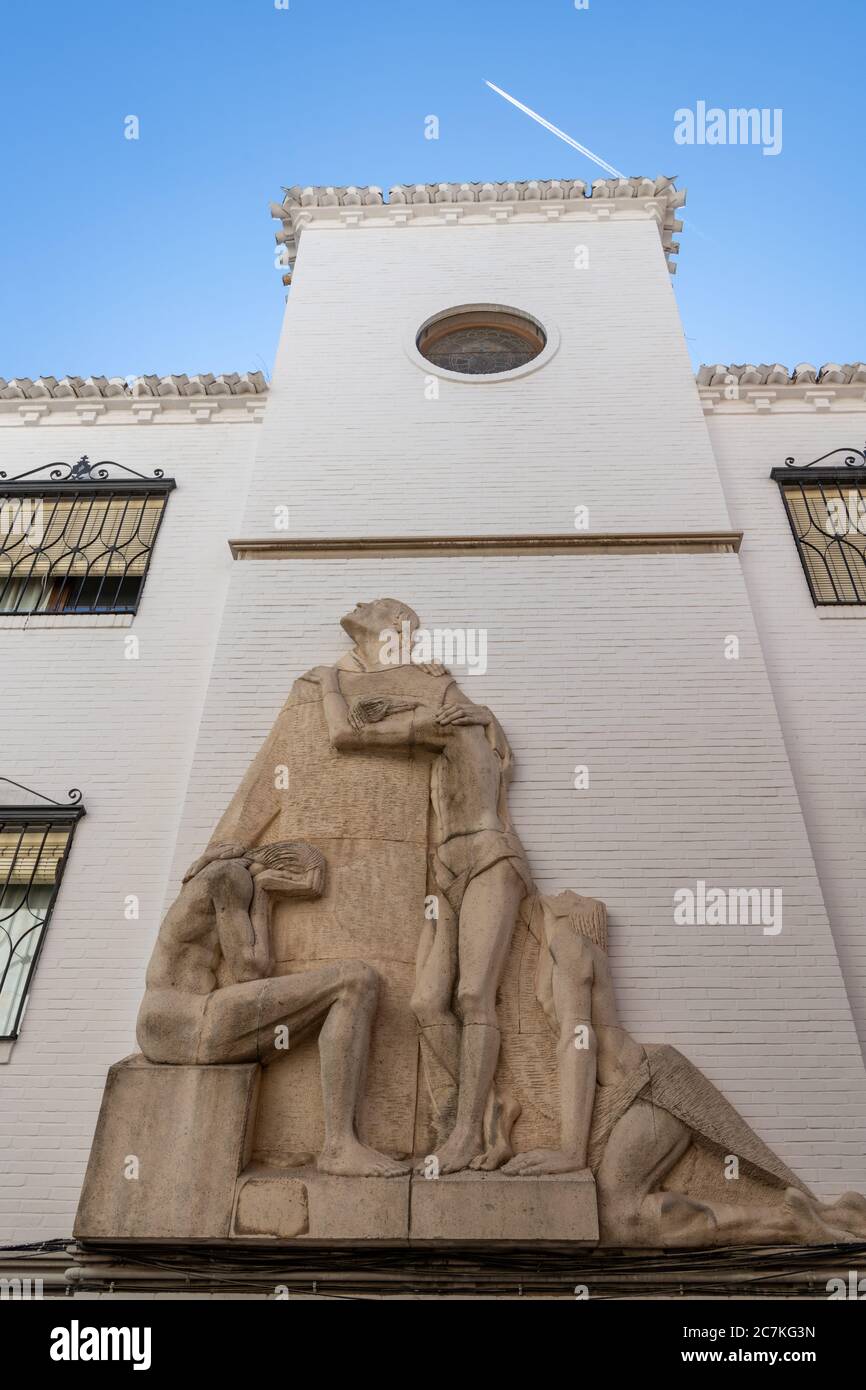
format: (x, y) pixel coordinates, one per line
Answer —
(303, 1202)
(488, 1206)
(171, 1161)
(169, 1146)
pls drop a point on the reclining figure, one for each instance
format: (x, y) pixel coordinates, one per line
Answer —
(629, 1113)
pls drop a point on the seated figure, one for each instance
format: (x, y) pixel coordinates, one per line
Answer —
(629, 1113)
(210, 997)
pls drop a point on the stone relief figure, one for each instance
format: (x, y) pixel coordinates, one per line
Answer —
(334, 981)
(210, 997)
(479, 866)
(629, 1113)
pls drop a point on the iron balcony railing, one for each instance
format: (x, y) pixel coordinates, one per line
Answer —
(76, 538)
(826, 509)
(34, 849)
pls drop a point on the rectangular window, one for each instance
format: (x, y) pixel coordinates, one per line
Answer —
(826, 510)
(34, 847)
(77, 548)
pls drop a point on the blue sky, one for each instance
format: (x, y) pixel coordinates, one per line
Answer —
(157, 255)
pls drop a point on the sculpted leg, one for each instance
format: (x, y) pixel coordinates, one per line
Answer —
(847, 1213)
(642, 1149)
(343, 1045)
(644, 1146)
(487, 918)
(436, 973)
(245, 1022)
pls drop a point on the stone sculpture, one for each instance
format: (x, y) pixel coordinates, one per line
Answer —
(210, 997)
(630, 1112)
(478, 865)
(425, 941)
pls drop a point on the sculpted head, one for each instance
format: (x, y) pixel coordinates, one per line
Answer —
(292, 859)
(367, 621)
(586, 916)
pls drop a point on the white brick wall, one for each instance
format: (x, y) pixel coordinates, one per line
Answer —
(817, 665)
(612, 422)
(74, 712)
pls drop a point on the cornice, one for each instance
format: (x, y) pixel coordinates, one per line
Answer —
(441, 204)
(775, 389)
(379, 547)
(229, 397)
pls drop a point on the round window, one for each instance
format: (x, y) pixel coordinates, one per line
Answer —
(478, 342)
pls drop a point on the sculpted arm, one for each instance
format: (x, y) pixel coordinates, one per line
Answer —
(577, 1049)
(242, 916)
(394, 722)
(457, 709)
(571, 983)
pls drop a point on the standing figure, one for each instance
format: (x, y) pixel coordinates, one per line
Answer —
(477, 862)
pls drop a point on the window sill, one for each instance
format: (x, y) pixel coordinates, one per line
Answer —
(53, 620)
(844, 610)
(6, 1050)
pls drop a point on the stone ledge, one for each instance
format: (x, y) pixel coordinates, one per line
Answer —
(492, 1207)
(377, 547)
(303, 1203)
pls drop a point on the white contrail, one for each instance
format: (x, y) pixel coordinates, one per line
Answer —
(556, 131)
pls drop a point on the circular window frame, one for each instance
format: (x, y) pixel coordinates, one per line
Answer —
(544, 326)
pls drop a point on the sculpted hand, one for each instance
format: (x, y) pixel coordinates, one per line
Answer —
(325, 676)
(463, 714)
(373, 708)
(303, 883)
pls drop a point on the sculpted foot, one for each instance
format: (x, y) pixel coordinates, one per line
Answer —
(848, 1212)
(538, 1162)
(353, 1159)
(456, 1154)
(803, 1213)
(494, 1157)
(499, 1121)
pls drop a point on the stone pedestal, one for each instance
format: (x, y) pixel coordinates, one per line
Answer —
(464, 1207)
(489, 1206)
(171, 1161)
(169, 1146)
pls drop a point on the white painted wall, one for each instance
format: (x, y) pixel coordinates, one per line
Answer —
(75, 713)
(351, 443)
(817, 664)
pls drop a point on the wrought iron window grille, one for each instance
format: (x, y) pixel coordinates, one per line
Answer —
(35, 840)
(825, 503)
(78, 537)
